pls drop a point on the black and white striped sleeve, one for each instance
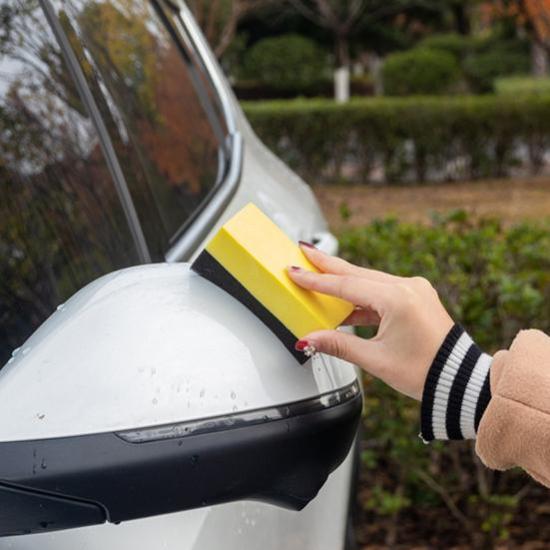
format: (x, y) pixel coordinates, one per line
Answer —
(457, 390)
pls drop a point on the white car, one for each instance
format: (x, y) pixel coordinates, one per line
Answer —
(141, 406)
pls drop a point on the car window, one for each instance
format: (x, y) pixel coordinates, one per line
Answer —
(159, 108)
(61, 223)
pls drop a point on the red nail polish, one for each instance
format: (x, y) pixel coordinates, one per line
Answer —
(306, 244)
(295, 268)
(301, 345)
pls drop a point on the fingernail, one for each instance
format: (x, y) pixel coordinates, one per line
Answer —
(306, 347)
(301, 345)
(307, 245)
(295, 268)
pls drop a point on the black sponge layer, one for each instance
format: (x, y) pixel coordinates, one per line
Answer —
(208, 267)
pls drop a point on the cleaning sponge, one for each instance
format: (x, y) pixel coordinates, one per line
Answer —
(248, 258)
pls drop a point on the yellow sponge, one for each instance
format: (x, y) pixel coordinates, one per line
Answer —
(248, 258)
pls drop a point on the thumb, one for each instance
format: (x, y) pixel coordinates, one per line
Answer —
(349, 347)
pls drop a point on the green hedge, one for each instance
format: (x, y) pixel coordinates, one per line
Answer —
(496, 281)
(522, 85)
(405, 139)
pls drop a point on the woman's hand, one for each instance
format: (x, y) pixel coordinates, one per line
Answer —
(412, 322)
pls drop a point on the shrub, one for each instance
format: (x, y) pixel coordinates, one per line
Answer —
(457, 45)
(482, 59)
(419, 71)
(495, 280)
(411, 139)
(522, 85)
(493, 60)
(288, 62)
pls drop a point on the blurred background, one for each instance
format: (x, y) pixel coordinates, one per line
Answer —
(424, 129)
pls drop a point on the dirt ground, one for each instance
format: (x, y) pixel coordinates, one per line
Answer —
(510, 200)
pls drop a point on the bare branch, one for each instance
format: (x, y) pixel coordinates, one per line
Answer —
(445, 496)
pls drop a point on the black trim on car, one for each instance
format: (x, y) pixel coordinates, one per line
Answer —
(61, 483)
(242, 419)
(197, 227)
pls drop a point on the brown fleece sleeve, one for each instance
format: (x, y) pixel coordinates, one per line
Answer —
(515, 428)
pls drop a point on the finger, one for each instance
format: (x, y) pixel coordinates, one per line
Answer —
(364, 317)
(358, 291)
(360, 351)
(338, 266)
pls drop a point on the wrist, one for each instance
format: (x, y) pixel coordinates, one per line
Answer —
(456, 391)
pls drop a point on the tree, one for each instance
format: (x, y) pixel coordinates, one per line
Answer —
(346, 19)
(537, 15)
(340, 17)
(533, 16)
(219, 19)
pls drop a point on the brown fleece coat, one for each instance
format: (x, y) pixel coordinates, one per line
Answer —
(515, 428)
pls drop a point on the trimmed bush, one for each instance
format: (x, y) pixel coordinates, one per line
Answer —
(482, 59)
(496, 281)
(492, 59)
(457, 45)
(483, 69)
(420, 71)
(406, 139)
(287, 62)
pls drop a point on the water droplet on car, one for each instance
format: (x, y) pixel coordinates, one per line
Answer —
(15, 352)
(194, 460)
(203, 391)
(235, 408)
(155, 401)
(26, 350)
(60, 307)
(233, 395)
(43, 464)
(153, 371)
(40, 416)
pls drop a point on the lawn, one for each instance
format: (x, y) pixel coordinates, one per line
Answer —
(510, 200)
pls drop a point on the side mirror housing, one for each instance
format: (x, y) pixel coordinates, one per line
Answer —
(152, 391)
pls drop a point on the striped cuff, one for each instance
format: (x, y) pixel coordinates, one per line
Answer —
(457, 389)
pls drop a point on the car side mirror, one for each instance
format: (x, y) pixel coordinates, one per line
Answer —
(152, 391)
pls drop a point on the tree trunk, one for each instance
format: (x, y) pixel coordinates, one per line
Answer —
(342, 72)
(539, 59)
(462, 21)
